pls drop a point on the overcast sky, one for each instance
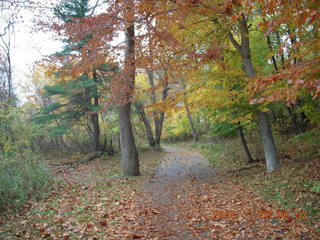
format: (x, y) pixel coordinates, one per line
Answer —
(28, 47)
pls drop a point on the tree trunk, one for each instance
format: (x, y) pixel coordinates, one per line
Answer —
(96, 131)
(188, 112)
(193, 129)
(294, 120)
(129, 154)
(95, 121)
(244, 144)
(281, 54)
(158, 123)
(146, 123)
(158, 117)
(270, 150)
(268, 142)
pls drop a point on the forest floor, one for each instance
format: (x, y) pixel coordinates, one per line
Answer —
(184, 198)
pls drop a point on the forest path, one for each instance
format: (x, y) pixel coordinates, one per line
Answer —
(183, 200)
(187, 200)
(179, 172)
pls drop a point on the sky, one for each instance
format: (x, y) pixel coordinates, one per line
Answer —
(28, 47)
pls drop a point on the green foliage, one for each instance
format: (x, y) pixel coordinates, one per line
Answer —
(310, 137)
(21, 177)
(223, 129)
(143, 148)
(74, 101)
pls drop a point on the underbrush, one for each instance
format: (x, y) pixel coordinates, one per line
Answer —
(90, 205)
(21, 177)
(296, 185)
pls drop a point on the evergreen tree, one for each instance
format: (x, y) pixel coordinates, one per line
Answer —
(79, 95)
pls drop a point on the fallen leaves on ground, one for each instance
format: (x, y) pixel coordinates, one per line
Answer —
(165, 207)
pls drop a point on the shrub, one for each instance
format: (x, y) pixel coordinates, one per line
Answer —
(21, 177)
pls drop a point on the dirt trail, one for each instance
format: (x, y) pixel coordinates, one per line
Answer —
(187, 200)
(167, 190)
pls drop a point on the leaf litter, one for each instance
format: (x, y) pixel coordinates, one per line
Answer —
(184, 199)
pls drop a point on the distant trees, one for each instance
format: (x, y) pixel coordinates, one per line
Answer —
(6, 68)
(242, 62)
(205, 31)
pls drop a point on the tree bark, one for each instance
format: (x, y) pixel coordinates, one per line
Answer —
(294, 120)
(158, 117)
(95, 121)
(270, 150)
(189, 116)
(244, 144)
(268, 142)
(96, 131)
(158, 123)
(188, 112)
(129, 154)
(146, 123)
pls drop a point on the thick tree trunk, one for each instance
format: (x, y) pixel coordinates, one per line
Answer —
(146, 123)
(268, 142)
(129, 154)
(270, 150)
(244, 144)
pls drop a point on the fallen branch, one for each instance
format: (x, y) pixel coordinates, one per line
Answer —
(60, 164)
(76, 163)
(242, 169)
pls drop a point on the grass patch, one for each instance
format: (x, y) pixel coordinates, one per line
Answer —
(143, 148)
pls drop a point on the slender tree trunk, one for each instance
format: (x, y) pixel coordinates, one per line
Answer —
(158, 122)
(294, 120)
(95, 121)
(2, 147)
(145, 120)
(129, 154)
(188, 112)
(297, 127)
(96, 131)
(270, 150)
(190, 119)
(273, 57)
(281, 55)
(244, 144)
(158, 117)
